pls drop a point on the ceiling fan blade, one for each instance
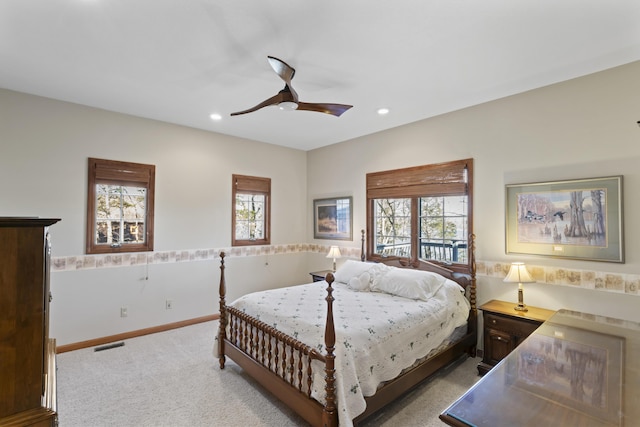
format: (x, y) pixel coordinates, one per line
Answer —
(286, 73)
(284, 70)
(274, 100)
(333, 109)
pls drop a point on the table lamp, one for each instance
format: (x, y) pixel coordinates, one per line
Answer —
(334, 253)
(519, 274)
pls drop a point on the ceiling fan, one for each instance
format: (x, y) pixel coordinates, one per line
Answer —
(287, 98)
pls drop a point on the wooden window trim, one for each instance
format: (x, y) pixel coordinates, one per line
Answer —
(252, 185)
(119, 173)
(440, 179)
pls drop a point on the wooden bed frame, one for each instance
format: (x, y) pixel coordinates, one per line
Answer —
(285, 369)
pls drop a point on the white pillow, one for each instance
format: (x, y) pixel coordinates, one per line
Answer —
(361, 282)
(350, 269)
(413, 284)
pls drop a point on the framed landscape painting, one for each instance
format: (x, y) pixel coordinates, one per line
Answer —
(332, 218)
(577, 219)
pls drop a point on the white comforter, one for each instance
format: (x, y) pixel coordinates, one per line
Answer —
(377, 334)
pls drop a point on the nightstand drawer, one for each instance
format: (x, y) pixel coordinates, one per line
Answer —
(517, 327)
(505, 328)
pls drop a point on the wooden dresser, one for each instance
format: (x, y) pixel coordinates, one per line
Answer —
(27, 354)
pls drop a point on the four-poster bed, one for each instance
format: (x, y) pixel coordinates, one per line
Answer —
(329, 382)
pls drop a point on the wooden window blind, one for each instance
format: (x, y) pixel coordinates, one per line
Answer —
(442, 179)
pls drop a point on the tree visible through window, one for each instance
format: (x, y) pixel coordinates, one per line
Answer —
(250, 216)
(251, 210)
(421, 212)
(443, 228)
(120, 214)
(120, 206)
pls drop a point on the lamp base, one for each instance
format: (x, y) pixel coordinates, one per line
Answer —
(520, 306)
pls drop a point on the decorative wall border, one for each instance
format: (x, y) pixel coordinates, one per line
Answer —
(584, 279)
(131, 259)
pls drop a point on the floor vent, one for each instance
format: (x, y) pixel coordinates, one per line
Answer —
(109, 346)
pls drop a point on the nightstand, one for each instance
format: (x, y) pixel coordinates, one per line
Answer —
(319, 276)
(504, 328)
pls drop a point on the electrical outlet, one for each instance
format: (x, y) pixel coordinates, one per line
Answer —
(123, 311)
(168, 304)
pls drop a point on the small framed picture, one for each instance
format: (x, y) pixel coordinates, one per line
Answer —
(332, 218)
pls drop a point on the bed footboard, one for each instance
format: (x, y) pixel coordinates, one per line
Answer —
(286, 357)
(279, 362)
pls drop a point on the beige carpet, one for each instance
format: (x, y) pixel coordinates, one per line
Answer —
(172, 379)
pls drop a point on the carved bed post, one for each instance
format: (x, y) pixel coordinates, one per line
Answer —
(222, 330)
(363, 255)
(472, 292)
(329, 412)
(472, 252)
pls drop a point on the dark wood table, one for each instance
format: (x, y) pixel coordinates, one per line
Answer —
(576, 369)
(319, 276)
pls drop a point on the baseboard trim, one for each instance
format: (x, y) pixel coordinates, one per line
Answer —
(133, 334)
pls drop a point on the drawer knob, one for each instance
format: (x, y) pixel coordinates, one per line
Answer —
(493, 321)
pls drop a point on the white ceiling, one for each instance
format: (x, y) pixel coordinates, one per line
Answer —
(181, 60)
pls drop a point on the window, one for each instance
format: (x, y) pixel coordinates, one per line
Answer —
(251, 210)
(422, 212)
(120, 207)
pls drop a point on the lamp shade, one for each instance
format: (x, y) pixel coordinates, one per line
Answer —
(518, 273)
(334, 252)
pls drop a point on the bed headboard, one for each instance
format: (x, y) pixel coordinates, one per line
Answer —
(466, 279)
(463, 279)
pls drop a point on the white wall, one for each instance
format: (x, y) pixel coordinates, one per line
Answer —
(43, 172)
(576, 129)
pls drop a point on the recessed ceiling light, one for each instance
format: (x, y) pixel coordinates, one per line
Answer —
(383, 111)
(215, 116)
